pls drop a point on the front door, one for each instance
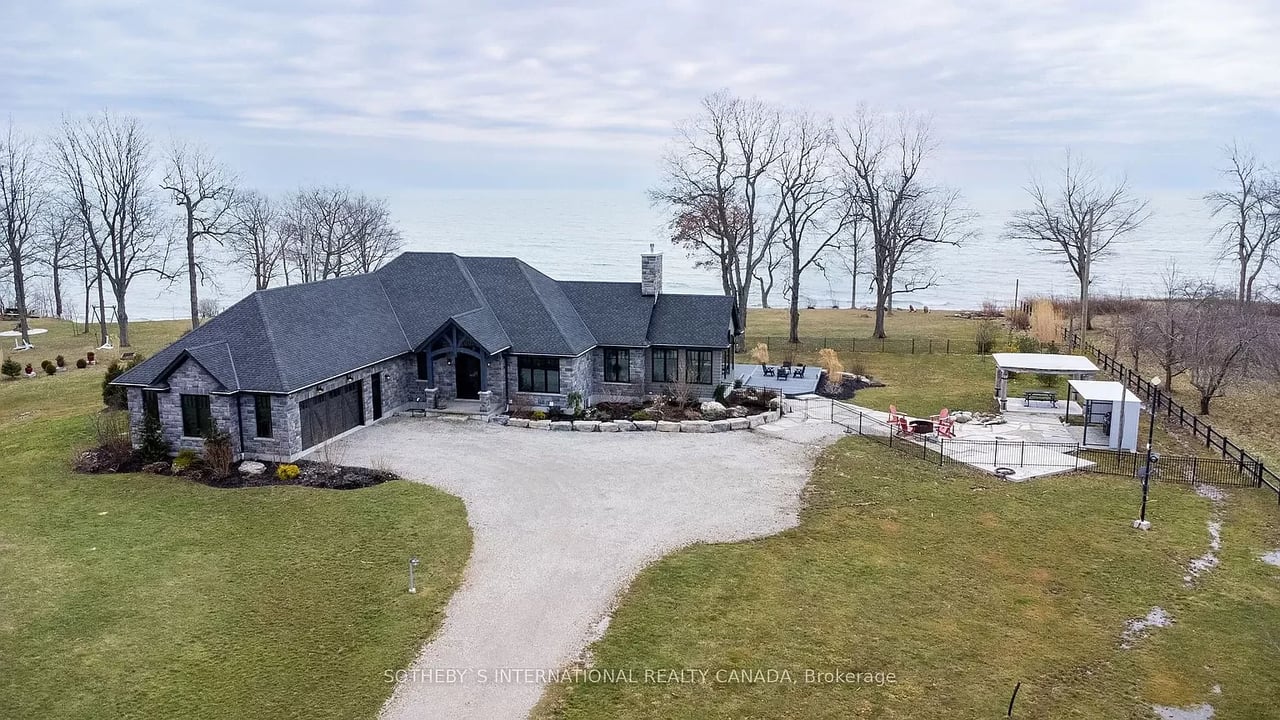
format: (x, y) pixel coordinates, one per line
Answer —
(468, 374)
(376, 391)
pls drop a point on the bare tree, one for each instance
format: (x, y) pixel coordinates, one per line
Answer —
(767, 272)
(849, 255)
(1215, 341)
(331, 231)
(1158, 331)
(905, 216)
(1250, 213)
(815, 210)
(716, 187)
(60, 245)
(1079, 221)
(254, 241)
(203, 189)
(106, 165)
(22, 195)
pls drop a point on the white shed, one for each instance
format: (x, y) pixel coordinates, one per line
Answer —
(1111, 413)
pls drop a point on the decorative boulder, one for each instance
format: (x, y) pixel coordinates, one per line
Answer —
(252, 467)
(157, 468)
(713, 410)
(738, 411)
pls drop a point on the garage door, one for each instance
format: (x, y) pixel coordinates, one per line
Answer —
(332, 413)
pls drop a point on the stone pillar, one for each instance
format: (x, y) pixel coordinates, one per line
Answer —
(651, 273)
(430, 397)
(486, 401)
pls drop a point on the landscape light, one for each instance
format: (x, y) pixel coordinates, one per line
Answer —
(413, 565)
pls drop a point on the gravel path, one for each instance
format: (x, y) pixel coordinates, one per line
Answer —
(562, 523)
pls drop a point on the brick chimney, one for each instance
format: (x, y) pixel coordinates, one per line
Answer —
(651, 272)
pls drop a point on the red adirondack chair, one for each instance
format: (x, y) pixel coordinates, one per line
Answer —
(897, 420)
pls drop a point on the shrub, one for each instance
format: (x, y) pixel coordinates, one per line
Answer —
(153, 447)
(538, 415)
(990, 310)
(288, 472)
(575, 402)
(985, 336)
(858, 366)
(1019, 319)
(114, 397)
(60, 361)
(737, 383)
(642, 415)
(1024, 344)
(1044, 320)
(828, 360)
(760, 353)
(48, 367)
(185, 460)
(218, 452)
(82, 364)
(719, 394)
(11, 368)
(91, 357)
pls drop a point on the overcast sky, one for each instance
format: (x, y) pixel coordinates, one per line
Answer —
(398, 95)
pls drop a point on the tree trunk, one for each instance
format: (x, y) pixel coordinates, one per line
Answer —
(122, 318)
(794, 336)
(764, 294)
(1204, 405)
(20, 290)
(191, 273)
(1085, 321)
(880, 310)
(853, 298)
(57, 291)
(102, 308)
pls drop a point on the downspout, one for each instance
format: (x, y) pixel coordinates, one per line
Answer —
(240, 424)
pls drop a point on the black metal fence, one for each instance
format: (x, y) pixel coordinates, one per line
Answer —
(1232, 455)
(895, 345)
(1066, 457)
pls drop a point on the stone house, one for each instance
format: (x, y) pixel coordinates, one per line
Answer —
(289, 368)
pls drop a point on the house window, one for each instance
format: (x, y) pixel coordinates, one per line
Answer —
(424, 366)
(196, 419)
(262, 415)
(699, 367)
(664, 366)
(617, 365)
(726, 366)
(151, 404)
(539, 374)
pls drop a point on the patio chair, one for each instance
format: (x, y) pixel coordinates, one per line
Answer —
(768, 370)
(798, 371)
(943, 424)
(783, 373)
(898, 421)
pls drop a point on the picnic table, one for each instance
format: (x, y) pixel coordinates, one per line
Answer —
(1049, 396)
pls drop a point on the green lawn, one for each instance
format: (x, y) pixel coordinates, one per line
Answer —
(153, 597)
(961, 586)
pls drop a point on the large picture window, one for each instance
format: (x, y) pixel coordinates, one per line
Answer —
(665, 367)
(262, 415)
(539, 374)
(699, 367)
(197, 421)
(617, 365)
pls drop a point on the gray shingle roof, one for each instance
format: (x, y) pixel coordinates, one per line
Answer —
(287, 338)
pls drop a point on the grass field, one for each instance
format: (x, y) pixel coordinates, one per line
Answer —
(145, 596)
(962, 587)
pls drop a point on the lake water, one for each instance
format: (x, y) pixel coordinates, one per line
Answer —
(576, 235)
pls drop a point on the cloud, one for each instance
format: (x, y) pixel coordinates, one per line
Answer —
(999, 76)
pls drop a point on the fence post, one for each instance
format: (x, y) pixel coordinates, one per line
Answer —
(913, 346)
(1022, 459)
(948, 346)
(995, 453)
(930, 346)
(859, 422)
(855, 344)
(881, 344)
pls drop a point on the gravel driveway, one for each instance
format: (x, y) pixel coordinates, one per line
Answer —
(562, 523)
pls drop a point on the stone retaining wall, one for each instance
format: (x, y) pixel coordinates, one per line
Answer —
(684, 426)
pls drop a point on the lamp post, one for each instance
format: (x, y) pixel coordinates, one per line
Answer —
(413, 565)
(1141, 523)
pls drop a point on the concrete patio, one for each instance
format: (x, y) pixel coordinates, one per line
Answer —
(791, 387)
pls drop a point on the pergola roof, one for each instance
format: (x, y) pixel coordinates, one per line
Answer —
(1044, 363)
(1103, 390)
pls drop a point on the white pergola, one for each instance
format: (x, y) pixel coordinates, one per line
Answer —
(1075, 367)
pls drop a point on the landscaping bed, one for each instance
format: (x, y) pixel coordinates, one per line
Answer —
(849, 385)
(738, 403)
(248, 473)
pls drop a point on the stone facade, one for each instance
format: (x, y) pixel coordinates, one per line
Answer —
(235, 412)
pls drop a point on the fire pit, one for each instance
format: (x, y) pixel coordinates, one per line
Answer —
(921, 427)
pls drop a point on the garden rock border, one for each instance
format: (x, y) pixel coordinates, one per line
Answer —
(680, 426)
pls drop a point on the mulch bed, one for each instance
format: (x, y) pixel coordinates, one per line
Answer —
(101, 460)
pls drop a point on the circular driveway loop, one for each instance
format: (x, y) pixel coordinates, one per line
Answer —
(562, 522)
